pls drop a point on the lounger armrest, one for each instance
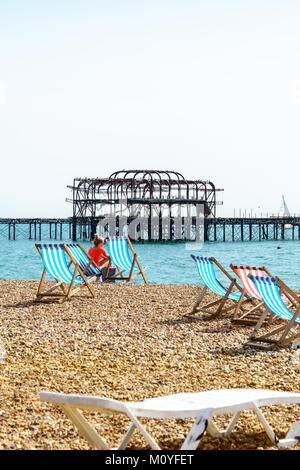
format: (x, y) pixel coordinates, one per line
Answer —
(105, 405)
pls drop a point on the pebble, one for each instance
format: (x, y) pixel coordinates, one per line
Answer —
(125, 344)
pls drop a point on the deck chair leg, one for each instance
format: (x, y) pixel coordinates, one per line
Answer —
(289, 326)
(224, 299)
(62, 287)
(274, 332)
(141, 271)
(107, 269)
(259, 323)
(85, 428)
(139, 274)
(115, 276)
(211, 304)
(271, 319)
(132, 266)
(135, 260)
(238, 306)
(59, 284)
(71, 284)
(256, 307)
(119, 273)
(199, 300)
(249, 312)
(41, 282)
(87, 284)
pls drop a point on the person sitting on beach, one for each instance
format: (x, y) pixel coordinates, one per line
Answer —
(98, 253)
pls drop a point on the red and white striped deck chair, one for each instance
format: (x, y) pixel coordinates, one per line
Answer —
(251, 316)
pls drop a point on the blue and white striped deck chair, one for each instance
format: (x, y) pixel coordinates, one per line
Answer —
(118, 251)
(205, 267)
(55, 263)
(79, 256)
(270, 290)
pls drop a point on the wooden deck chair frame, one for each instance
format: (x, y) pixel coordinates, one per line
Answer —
(281, 335)
(220, 304)
(119, 275)
(202, 407)
(250, 317)
(68, 290)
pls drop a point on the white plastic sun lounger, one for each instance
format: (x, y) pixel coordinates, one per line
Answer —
(202, 406)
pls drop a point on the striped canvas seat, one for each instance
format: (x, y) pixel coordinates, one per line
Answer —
(119, 254)
(243, 272)
(118, 251)
(206, 271)
(55, 264)
(269, 292)
(251, 316)
(270, 288)
(80, 256)
(205, 267)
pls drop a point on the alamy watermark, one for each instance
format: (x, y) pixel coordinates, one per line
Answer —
(183, 226)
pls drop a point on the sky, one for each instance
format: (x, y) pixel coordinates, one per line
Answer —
(208, 89)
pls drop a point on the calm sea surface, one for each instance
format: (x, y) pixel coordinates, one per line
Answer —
(170, 263)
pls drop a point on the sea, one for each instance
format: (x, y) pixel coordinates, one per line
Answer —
(170, 262)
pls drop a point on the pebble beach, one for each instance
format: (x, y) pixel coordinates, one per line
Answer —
(129, 343)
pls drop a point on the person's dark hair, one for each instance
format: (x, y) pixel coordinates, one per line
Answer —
(98, 240)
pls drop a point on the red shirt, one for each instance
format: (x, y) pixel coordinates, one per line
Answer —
(97, 253)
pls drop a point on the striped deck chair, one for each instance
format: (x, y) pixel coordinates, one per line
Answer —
(79, 256)
(250, 317)
(269, 290)
(55, 263)
(206, 272)
(118, 251)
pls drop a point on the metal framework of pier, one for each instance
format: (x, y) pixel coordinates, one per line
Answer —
(163, 196)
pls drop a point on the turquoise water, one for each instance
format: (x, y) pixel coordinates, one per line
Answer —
(170, 263)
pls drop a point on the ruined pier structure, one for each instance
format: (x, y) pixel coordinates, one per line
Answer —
(156, 203)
